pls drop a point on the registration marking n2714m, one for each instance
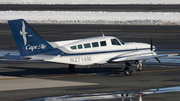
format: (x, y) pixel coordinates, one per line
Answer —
(80, 59)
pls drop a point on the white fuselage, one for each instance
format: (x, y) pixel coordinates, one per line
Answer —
(97, 50)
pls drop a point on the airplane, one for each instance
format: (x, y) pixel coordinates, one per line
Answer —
(88, 51)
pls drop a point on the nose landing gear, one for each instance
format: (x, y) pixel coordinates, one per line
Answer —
(139, 67)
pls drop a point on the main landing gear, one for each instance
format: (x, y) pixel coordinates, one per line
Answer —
(127, 71)
(72, 68)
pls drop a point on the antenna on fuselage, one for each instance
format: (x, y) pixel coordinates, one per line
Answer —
(102, 34)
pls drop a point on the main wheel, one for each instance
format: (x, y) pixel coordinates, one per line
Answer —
(72, 68)
(127, 71)
(139, 67)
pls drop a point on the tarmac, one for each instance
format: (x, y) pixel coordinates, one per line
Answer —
(21, 81)
(42, 81)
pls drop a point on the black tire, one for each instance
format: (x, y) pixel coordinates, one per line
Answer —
(127, 71)
(139, 67)
(72, 68)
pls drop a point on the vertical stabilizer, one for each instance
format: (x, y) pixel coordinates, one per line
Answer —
(27, 40)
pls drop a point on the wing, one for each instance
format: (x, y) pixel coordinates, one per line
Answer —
(138, 57)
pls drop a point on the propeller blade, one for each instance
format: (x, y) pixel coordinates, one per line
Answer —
(158, 60)
(144, 61)
(151, 45)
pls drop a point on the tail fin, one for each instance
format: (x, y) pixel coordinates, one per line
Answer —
(27, 40)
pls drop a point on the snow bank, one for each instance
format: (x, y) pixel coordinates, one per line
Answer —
(89, 1)
(74, 17)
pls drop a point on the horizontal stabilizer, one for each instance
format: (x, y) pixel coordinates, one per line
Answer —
(42, 57)
(9, 56)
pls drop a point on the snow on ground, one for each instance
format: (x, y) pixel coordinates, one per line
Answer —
(77, 17)
(89, 1)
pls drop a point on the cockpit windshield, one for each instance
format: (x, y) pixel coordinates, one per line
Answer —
(122, 42)
(116, 42)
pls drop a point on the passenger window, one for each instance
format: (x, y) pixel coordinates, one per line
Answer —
(115, 42)
(79, 46)
(95, 44)
(87, 45)
(73, 47)
(103, 43)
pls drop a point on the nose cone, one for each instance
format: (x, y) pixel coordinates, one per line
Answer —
(154, 48)
(142, 46)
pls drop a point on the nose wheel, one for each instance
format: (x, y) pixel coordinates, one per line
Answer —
(72, 68)
(139, 67)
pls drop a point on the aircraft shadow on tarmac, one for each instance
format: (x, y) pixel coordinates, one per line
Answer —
(23, 71)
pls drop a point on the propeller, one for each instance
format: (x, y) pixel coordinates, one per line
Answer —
(152, 50)
(157, 59)
(151, 45)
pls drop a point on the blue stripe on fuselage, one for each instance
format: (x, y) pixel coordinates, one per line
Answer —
(89, 53)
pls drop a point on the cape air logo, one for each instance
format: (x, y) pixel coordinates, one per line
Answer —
(32, 48)
(23, 33)
(29, 47)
